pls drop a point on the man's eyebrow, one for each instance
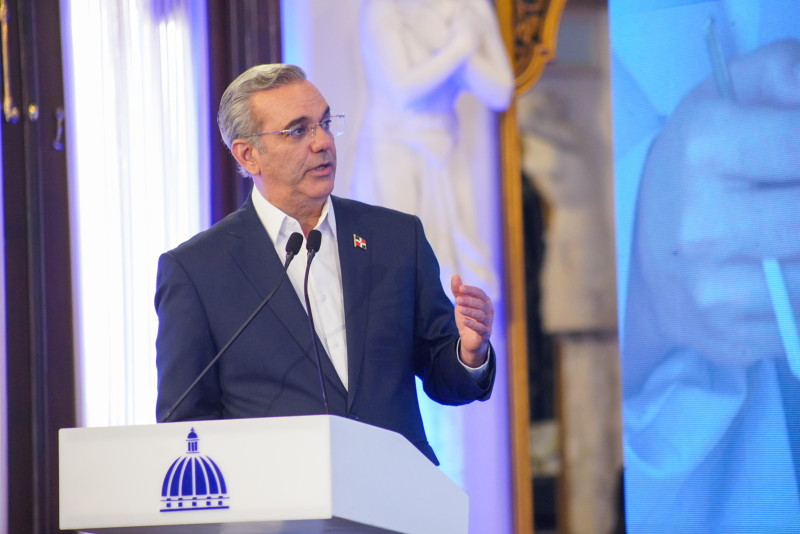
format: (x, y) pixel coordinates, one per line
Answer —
(305, 120)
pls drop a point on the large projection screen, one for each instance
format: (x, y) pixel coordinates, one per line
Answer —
(706, 102)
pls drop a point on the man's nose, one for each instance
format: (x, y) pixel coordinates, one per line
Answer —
(320, 139)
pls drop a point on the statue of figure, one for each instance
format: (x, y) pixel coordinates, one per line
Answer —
(419, 56)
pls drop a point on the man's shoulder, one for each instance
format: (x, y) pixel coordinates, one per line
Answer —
(362, 209)
(230, 227)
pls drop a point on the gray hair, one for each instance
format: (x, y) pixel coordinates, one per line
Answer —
(235, 119)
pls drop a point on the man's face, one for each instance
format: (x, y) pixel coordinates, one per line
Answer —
(295, 175)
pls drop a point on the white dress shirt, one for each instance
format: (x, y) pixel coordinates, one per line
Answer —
(325, 293)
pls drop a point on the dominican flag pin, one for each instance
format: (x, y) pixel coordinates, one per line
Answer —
(359, 242)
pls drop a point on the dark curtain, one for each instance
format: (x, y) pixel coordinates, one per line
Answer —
(39, 344)
(241, 33)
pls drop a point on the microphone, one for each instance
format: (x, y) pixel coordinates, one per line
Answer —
(313, 243)
(292, 248)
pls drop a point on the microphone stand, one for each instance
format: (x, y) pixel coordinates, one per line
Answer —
(312, 246)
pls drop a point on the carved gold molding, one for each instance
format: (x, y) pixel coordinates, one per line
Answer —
(529, 29)
(535, 30)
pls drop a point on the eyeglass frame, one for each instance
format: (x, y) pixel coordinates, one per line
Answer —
(312, 128)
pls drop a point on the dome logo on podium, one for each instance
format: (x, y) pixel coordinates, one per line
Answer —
(193, 482)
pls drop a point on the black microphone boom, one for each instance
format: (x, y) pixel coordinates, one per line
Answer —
(292, 248)
(313, 243)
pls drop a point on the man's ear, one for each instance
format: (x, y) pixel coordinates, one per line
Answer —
(245, 154)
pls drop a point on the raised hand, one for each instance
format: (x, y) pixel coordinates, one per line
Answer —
(474, 314)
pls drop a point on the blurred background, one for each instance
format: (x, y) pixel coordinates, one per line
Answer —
(111, 156)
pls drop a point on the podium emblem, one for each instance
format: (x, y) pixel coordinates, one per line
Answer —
(193, 482)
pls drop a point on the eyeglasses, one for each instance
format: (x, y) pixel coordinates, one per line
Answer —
(333, 125)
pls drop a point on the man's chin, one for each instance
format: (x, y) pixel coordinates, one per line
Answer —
(322, 189)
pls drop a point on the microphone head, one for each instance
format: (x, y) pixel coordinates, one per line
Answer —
(313, 241)
(294, 243)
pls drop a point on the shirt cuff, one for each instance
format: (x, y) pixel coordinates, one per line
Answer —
(477, 373)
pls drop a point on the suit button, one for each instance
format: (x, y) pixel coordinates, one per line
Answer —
(354, 417)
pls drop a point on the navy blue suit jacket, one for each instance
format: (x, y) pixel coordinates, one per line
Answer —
(399, 324)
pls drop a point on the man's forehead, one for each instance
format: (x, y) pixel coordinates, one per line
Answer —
(288, 102)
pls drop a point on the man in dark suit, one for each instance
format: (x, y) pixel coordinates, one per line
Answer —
(381, 314)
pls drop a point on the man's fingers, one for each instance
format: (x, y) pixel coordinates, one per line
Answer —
(473, 301)
(455, 284)
(474, 309)
(483, 330)
(757, 143)
(770, 75)
(744, 221)
(479, 314)
(472, 292)
(481, 326)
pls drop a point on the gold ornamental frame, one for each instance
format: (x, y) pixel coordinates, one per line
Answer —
(529, 29)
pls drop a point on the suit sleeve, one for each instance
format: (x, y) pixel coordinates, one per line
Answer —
(184, 346)
(444, 378)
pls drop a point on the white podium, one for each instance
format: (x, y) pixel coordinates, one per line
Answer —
(305, 474)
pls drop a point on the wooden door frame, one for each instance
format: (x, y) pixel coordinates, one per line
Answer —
(40, 367)
(529, 29)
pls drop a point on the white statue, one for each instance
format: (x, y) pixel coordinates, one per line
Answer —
(419, 56)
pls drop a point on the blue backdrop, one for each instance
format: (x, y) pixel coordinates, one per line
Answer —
(706, 101)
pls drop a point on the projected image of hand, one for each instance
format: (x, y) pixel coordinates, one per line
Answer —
(720, 193)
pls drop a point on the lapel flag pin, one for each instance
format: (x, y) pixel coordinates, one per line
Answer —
(359, 242)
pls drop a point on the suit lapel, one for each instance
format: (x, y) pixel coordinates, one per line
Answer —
(255, 255)
(355, 267)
